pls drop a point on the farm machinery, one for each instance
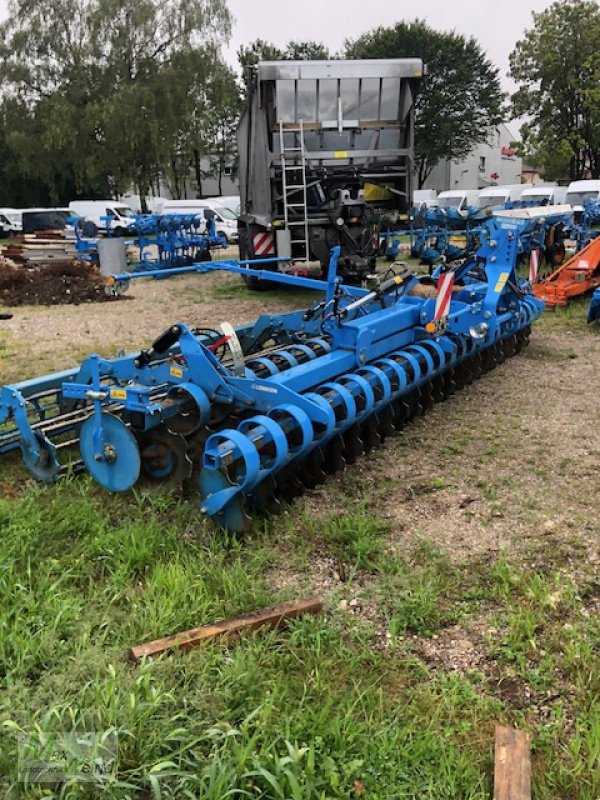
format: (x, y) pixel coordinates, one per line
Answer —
(164, 241)
(261, 412)
(577, 276)
(449, 234)
(594, 309)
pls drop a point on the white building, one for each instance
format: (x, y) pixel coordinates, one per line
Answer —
(493, 163)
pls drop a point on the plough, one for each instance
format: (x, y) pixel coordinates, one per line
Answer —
(264, 411)
(540, 228)
(164, 241)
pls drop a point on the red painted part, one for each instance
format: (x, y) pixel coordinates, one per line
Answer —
(263, 243)
(578, 275)
(444, 293)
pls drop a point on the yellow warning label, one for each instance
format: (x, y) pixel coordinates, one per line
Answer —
(501, 281)
(341, 154)
(176, 372)
(118, 394)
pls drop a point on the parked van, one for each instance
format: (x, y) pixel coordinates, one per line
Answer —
(42, 219)
(225, 220)
(425, 198)
(494, 196)
(460, 199)
(94, 210)
(11, 221)
(14, 218)
(232, 202)
(544, 194)
(578, 191)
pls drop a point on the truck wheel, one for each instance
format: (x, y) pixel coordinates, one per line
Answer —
(254, 284)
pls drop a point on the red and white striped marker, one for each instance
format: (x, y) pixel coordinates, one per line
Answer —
(534, 263)
(444, 295)
(263, 243)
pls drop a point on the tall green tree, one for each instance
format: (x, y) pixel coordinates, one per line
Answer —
(96, 87)
(460, 101)
(557, 67)
(259, 50)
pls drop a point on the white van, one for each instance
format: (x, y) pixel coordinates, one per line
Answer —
(225, 220)
(460, 199)
(544, 194)
(232, 202)
(494, 196)
(11, 221)
(121, 215)
(425, 198)
(578, 191)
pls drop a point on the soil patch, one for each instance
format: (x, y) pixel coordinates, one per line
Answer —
(61, 283)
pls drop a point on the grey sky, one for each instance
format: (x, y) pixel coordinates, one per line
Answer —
(497, 25)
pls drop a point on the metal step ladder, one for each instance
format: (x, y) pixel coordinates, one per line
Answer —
(295, 194)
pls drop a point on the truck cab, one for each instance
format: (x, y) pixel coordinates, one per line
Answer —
(326, 158)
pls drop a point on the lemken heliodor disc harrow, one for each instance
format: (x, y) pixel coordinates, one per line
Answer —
(263, 411)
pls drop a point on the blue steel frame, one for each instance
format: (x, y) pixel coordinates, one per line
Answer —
(372, 348)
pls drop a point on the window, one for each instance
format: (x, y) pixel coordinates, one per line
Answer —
(481, 163)
(227, 171)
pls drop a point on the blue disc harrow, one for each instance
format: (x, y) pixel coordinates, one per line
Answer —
(259, 413)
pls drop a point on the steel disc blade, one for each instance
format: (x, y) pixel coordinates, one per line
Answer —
(401, 413)
(427, 400)
(117, 466)
(334, 456)
(354, 446)
(311, 472)
(437, 390)
(165, 457)
(289, 484)
(262, 499)
(385, 422)
(369, 433)
(40, 458)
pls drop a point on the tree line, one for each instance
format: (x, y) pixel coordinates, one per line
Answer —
(101, 96)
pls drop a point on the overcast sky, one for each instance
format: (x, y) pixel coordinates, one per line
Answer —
(497, 24)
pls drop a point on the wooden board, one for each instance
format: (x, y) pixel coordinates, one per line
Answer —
(275, 616)
(512, 765)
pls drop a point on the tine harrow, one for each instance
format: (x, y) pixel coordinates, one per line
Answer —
(262, 412)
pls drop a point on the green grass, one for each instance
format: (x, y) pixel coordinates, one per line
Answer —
(323, 709)
(570, 319)
(316, 711)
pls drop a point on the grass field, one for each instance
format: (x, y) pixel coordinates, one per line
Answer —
(459, 567)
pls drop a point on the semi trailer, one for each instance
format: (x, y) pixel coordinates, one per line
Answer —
(326, 160)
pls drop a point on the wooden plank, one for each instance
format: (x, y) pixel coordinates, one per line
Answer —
(512, 765)
(275, 616)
